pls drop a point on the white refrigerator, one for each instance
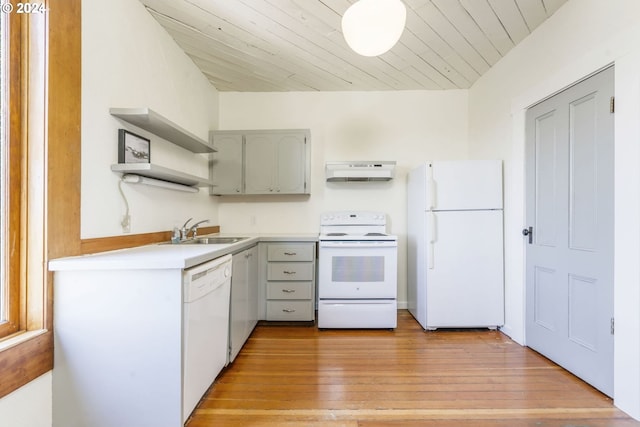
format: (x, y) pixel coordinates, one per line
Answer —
(455, 255)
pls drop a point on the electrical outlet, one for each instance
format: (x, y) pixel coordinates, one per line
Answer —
(126, 223)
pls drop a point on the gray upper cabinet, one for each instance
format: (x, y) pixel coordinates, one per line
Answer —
(227, 166)
(261, 162)
(275, 163)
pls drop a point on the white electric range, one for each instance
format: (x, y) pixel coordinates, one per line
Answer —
(357, 271)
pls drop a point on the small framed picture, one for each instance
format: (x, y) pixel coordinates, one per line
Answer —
(133, 148)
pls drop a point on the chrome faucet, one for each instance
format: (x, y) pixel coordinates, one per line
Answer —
(184, 231)
(194, 228)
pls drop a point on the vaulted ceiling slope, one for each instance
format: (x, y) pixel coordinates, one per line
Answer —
(297, 45)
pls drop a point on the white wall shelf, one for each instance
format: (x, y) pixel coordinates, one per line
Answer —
(159, 172)
(149, 120)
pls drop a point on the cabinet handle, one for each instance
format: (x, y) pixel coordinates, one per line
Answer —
(288, 310)
(288, 291)
(290, 253)
(289, 272)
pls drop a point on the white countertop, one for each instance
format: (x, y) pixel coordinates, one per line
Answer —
(169, 256)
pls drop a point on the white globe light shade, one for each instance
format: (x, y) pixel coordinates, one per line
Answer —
(372, 27)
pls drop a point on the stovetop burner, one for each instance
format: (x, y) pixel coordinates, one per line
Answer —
(356, 234)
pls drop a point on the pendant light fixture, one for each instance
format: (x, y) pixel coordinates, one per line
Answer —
(372, 27)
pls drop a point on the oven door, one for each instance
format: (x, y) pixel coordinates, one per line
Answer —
(357, 269)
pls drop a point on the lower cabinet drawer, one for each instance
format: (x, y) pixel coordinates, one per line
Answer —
(290, 271)
(290, 252)
(289, 290)
(290, 310)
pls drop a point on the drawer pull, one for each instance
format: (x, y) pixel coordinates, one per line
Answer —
(288, 310)
(288, 291)
(290, 253)
(289, 272)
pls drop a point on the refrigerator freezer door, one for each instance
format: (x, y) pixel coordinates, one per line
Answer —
(465, 286)
(465, 185)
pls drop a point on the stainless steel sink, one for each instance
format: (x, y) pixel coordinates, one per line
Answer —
(212, 240)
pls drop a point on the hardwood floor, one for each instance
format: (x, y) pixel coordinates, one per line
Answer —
(300, 376)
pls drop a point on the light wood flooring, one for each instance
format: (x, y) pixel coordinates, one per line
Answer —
(301, 376)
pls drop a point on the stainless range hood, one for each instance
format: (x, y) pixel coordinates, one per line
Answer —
(360, 171)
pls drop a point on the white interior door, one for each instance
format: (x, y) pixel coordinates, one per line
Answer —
(569, 255)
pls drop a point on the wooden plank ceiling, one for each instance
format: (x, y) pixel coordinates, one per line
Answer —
(297, 45)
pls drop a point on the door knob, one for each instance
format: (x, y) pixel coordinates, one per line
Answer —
(528, 232)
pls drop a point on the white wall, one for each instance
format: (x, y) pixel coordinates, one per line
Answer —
(408, 127)
(29, 406)
(582, 37)
(128, 60)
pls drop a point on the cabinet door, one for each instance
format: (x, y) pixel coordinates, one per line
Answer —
(253, 282)
(227, 168)
(290, 174)
(275, 163)
(260, 163)
(239, 309)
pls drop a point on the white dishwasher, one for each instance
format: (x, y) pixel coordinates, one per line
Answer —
(206, 295)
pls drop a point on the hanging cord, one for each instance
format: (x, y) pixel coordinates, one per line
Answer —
(125, 219)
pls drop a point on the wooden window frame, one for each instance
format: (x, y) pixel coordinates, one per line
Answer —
(12, 171)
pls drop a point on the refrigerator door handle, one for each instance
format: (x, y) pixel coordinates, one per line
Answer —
(431, 188)
(432, 193)
(432, 240)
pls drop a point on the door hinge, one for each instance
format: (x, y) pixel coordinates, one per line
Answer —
(613, 326)
(612, 104)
